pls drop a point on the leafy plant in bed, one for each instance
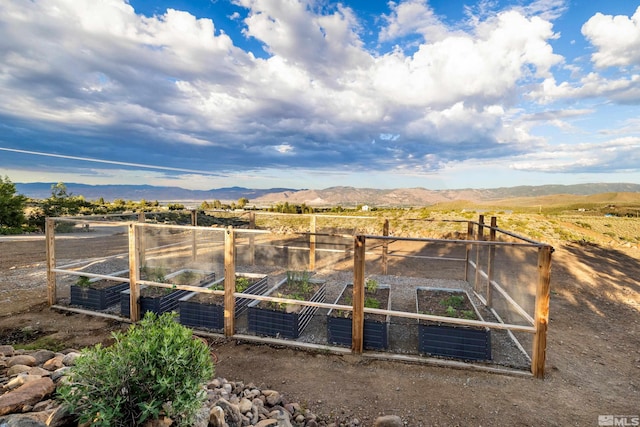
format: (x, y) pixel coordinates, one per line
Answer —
(376, 326)
(287, 320)
(206, 310)
(97, 294)
(449, 340)
(160, 300)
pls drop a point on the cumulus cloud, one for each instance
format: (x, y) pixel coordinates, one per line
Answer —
(173, 83)
(615, 38)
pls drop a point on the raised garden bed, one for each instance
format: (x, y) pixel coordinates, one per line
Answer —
(205, 310)
(160, 300)
(287, 320)
(448, 340)
(376, 326)
(97, 294)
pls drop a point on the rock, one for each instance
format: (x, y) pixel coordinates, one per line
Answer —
(202, 417)
(23, 359)
(58, 373)
(158, 422)
(273, 397)
(17, 369)
(20, 420)
(244, 405)
(6, 350)
(42, 356)
(216, 417)
(268, 422)
(36, 370)
(69, 359)
(232, 414)
(61, 417)
(53, 363)
(283, 418)
(20, 380)
(388, 421)
(27, 394)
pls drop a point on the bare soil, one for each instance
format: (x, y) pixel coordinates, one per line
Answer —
(593, 352)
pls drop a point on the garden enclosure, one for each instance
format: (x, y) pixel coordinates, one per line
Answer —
(155, 266)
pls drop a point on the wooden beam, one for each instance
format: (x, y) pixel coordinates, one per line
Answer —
(541, 318)
(141, 241)
(312, 243)
(357, 325)
(492, 255)
(134, 274)
(50, 230)
(385, 247)
(194, 235)
(479, 236)
(468, 251)
(229, 281)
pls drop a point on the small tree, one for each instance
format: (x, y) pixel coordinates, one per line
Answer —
(11, 205)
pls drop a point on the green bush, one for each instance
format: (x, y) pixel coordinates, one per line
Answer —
(155, 368)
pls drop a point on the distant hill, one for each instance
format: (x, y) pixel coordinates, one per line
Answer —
(42, 190)
(344, 196)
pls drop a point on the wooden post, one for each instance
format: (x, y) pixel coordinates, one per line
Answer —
(541, 319)
(134, 274)
(194, 234)
(229, 281)
(140, 242)
(312, 243)
(50, 230)
(480, 236)
(252, 238)
(492, 255)
(357, 327)
(468, 251)
(385, 247)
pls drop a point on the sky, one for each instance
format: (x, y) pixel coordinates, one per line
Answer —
(440, 94)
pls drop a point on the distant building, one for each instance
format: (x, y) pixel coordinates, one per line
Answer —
(365, 208)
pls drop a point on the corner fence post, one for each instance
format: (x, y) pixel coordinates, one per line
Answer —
(229, 281)
(541, 320)
(50, 230)
(134, 273)
(357, 327)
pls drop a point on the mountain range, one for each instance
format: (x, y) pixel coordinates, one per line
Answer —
(333, 196)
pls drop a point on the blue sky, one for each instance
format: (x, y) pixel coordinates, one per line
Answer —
(313, 94)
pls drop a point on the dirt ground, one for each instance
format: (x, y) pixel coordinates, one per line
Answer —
(593, 353)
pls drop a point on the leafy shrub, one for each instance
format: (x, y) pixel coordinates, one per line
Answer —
(155, 368)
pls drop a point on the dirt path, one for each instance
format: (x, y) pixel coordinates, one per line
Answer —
(593, 361)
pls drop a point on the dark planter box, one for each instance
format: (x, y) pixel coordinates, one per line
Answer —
(276, 323)
(162, 303)
(211, 315)
(98, 298)
(455, 341)
(376, 332)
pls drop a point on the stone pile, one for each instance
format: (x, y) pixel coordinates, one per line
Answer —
(28, 382)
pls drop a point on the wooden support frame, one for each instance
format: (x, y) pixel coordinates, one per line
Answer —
(543, 293)
(194, 234)
(141, 241)
(134, 274)
(357, 328)
(50, 236)
(229, 281)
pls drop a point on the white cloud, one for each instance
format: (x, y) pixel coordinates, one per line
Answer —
(616, 39)
(412, 17)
